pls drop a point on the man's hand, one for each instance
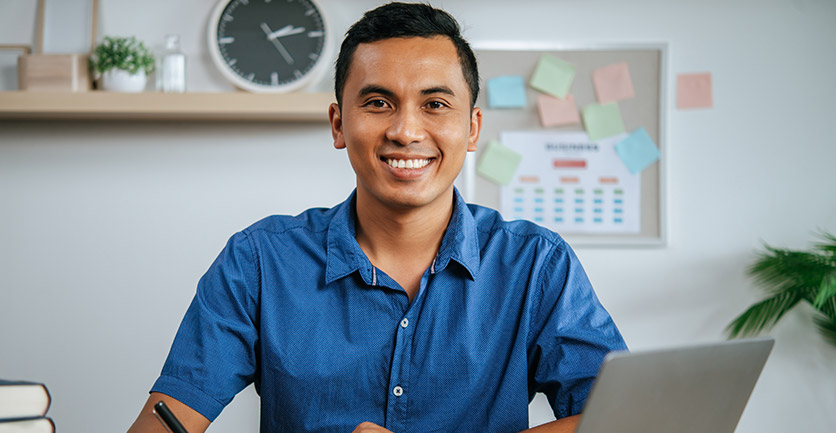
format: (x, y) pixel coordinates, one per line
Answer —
(368, 427)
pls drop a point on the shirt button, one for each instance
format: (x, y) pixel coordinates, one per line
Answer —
(404, 322)
(398, 391)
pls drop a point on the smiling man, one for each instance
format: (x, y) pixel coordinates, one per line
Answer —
(402, 309)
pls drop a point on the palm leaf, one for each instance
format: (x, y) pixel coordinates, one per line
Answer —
(827, 291)
(827, 245)
(827, 327)
(763, 315)
(779, 270)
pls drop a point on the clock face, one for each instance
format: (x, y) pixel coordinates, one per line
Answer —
(267, 45)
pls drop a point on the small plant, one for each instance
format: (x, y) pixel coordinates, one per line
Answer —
(127, 54)
(789, 278)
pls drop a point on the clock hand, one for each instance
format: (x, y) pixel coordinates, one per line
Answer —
(277, 44)
(285, 31)
(279, 32)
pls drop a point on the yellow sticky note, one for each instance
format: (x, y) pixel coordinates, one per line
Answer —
(552, 76)
(498, 163)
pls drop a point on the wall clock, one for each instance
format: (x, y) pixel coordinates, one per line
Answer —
(268, 45)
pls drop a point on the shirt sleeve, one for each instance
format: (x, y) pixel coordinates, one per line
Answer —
(213, 354)
(570, 334)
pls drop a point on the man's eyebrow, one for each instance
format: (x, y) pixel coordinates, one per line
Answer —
(438, 89)
(374, 88)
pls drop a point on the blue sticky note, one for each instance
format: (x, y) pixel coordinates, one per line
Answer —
(506, 92)
(637, 151)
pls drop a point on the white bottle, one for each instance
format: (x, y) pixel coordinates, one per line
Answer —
(172, 67)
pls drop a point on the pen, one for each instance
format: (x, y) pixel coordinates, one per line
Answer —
(162, 412)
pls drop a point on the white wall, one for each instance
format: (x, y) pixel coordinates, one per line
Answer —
(106, 227)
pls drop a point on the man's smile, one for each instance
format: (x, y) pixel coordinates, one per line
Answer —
(406, 163)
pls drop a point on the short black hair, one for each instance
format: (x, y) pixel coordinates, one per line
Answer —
(405, 20)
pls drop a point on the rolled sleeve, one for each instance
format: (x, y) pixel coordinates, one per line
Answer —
(572, 333)
(213, 354)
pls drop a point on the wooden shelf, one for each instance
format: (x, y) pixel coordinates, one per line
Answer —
(231, 106)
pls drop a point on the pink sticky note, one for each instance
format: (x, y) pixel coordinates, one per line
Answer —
(694, 91)
(556, 111)
(613, 83)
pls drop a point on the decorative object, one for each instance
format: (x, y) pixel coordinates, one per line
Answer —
(171, 77)
(791, 277)
(269, 46)
(122, 63)
(55, 72)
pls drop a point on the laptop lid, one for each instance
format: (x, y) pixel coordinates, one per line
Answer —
(695, 389)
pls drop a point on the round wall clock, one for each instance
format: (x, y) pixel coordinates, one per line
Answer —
(268, 45)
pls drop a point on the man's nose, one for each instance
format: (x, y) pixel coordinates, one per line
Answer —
(406, 127)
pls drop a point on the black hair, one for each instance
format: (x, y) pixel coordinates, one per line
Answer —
(405, 20)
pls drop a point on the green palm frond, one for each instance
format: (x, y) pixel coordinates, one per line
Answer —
(790, 277)
(827, 327)
(827, 290)
(763, 315)
(827, 244)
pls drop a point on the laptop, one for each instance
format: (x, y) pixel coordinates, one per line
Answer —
(697, 389)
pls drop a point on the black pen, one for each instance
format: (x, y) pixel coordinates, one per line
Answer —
(168, 419)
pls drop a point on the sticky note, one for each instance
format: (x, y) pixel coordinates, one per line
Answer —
(612, 83)
(694, 91)
(506, 92)
(552, 76)
(555, 111)
(498, 163)
(637, 151)
(602, 121)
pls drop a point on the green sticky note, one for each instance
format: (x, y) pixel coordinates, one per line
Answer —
(602, 120)
(498, 163)
(552, 76)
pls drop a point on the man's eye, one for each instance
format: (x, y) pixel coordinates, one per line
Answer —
(435, 105)
(377, 103)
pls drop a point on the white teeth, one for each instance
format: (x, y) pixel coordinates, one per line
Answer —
(408, 163)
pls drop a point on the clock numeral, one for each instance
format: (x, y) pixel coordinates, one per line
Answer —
(309, 12)
(226, 40)
(313, 56)
(317, 34)
(274, 78)
(297, 73)
(245, 2)
(228, 17)
(251, 76)
(232, 62)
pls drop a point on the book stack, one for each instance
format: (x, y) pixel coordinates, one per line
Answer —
(23, 407)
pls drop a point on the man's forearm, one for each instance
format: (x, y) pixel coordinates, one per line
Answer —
(564, 425)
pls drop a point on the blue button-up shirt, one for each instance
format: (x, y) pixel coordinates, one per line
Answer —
(295, 306)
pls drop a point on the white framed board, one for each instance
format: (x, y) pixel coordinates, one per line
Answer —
(599, 205)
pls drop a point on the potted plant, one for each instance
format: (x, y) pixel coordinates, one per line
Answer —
(122, 63)
(791, 277)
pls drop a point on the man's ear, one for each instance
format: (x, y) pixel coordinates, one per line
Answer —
(475, 128)
(335, 117)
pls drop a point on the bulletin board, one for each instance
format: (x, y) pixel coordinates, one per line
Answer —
(647, 69)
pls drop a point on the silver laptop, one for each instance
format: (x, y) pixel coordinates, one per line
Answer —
(698, 389)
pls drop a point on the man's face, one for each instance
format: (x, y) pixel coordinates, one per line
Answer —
(406, 120)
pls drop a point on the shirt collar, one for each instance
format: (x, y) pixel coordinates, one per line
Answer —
(344, 255)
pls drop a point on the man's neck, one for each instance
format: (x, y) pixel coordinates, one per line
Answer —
(403, 241)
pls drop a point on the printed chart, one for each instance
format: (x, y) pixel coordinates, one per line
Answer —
(570, 184)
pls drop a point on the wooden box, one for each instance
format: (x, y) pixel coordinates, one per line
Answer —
(54, 72)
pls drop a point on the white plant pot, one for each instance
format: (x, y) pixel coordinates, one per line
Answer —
(119, 80)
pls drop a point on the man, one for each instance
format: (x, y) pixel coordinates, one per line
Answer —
(402, 309)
